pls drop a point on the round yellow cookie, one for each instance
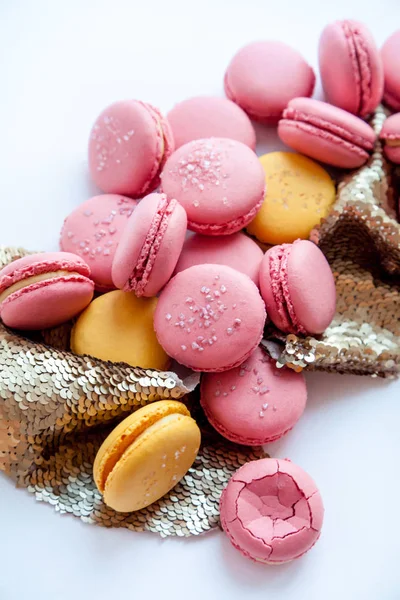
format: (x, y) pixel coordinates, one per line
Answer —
(118, 327)
(146, 455)
(299, 194)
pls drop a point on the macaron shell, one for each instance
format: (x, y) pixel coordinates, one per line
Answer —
(311, 286)
(390, 53)
(153, 464)
(390, 137)
(351, 68)
(219, 183)
(118, 327)
(47, 303)
(210, 317)
(237, 251)
(263, 76)
(93, 231)
(207, 116)
(271, 289)
(254, 403)
(41, 262)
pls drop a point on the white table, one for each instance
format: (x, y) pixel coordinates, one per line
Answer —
(61, 63)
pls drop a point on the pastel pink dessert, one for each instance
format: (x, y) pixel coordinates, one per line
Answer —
(128, 146)
(263, 76)
(256, 403)
(326, 133)
(150, 246)
(44, 290)
(298, 287)
(219, 182)
(93, 231)
(390, 137)
(390, 53)
(272, 511)
(210, 116)
(237, 251)
(351, 67)
(210, 318)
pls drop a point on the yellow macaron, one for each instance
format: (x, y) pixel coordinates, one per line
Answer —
(118, 327)
(299, 194)
(146, 455)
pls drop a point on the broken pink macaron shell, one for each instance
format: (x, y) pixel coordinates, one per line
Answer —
(351, 67)
(150, 246)
(390, 53)
(128, 146)
(326, 133)
(272, 511)
(210, 116)
(93, 231)
(219, 182)
(254, 403)
(298, 288)
(44, 290)
(390, 136)
(210, 318)
(263, 76)
(237, 251)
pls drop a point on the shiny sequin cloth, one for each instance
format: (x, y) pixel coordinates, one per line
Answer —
(361, 240)
(56, 408)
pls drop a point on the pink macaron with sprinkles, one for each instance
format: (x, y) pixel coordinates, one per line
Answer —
(351, 67)
(255, 403)
(44, 290)
(210, 318)
(210, 116)
(272, 511)
(219, 182)
(298, 287)
(326, 133)
(93, 231)
(128, 146)
(237, 251)
(150, 246)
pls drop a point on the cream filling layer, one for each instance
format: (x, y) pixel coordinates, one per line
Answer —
(35, 279)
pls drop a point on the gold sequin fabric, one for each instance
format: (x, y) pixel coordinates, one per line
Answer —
(361, 240)
(56, 408)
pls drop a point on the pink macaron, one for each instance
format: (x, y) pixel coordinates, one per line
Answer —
(210, 116)
(219, 182)
(326, 133)
(272, 511)
(237, 251)
(210, 318)
(298, 287)
(351, 67)
(93, 231)
(390, 137)
(255, 403)
(150, 246)
(390, 53)
(263, 76)
(128, 146)
(44, 290)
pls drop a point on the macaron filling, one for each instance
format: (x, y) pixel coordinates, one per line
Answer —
(36, 279)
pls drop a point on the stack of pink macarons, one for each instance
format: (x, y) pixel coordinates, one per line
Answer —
(197, 170)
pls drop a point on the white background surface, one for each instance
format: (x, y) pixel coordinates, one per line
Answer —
(61, 63)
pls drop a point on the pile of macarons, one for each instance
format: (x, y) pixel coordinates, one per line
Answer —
(194, 244)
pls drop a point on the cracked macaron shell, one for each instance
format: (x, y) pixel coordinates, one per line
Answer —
(272, 511)
(43, 290)
(298, 288)
(390, 53)
(146, 455)
(210, 318)
(263, 76)
(351, 67)
(128, 146)
(150, 246)
(326, 133)
(255, 403)
(390, 136)
(219, 182)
